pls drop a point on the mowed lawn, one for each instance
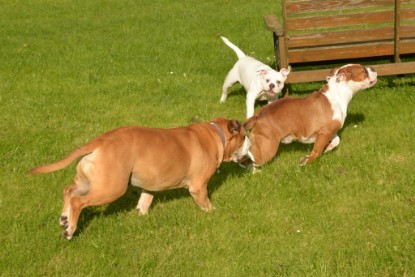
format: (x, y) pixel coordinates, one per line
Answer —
(71, 70)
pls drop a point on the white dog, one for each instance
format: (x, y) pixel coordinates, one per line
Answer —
(259, 80)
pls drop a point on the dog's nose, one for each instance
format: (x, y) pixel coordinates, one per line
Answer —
(271, 86)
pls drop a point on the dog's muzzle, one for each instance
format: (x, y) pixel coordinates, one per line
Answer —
(243, 152)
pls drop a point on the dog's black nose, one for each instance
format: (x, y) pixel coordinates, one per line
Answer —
(271, 86)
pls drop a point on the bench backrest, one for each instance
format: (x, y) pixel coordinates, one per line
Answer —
(321, 30)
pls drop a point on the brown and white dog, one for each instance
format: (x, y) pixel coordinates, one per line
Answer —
(149, 158)
(312, 119)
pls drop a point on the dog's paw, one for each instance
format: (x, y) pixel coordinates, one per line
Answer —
(209, 209)
(245, 163)
(63, 221)
(304, 160)
(68, 231)
(255, 170)
(66, 235)
(142, 212)
(249, 165)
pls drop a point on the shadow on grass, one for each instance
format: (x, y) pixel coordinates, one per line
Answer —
(129, 200)
(353, 119)
(237, 90)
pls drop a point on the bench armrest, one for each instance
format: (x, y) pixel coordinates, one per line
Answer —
(273, 24)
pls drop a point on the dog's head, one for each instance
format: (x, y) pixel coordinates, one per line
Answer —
(272, 80)
(355, 76)
(234, 134)
(244, 150)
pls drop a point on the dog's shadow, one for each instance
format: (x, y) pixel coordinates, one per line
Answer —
(239, 91)
(129, 200)
(352, 119)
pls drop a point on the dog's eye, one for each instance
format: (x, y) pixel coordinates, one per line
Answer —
(267, 80)
(278, 82)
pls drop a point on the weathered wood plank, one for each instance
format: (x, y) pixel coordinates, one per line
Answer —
(341, 37)
(382, 34)
(311, 6)
(348, 52)
(408, 14)
(321, 74)
(341, 20)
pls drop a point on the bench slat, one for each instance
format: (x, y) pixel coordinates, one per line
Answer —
(408, 14)
(321, 74)
(349, 52)
(311, 6)
(349, 37)
(341, 20)
(344, 20)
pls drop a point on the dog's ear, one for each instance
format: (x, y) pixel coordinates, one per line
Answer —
(284, 72)
(343, 76)
(262, 70)
(340, 77)
(331, 73)
(234, 126)
(250, 122)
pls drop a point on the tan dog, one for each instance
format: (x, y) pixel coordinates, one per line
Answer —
(153, 159)
(312, 119)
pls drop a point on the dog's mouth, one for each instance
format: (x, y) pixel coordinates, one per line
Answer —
(245, 162)
(271, 93)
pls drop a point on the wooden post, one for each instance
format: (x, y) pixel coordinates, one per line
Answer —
(397, 30)
(283, 45)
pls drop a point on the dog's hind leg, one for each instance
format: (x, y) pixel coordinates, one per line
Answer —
(79, 187)
(230, 79)
(68, 193)
(263, 150)
(94, 185)
(99, 194)
(144, 202)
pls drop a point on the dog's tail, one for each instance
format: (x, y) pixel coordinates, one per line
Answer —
(81, 151)
(235, 48)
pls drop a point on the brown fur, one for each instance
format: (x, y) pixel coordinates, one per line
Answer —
(153, 159)
(305, 118)
(266, 133)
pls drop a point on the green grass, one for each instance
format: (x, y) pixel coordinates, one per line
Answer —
(71, 70)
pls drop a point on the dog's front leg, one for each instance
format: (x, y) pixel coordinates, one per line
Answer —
(144, 202)
(200, 195)
(321, 142)
(332, 144)
(250, 104)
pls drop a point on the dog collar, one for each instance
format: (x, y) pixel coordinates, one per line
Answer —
(221, 134)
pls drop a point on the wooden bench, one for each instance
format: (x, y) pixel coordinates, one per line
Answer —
(378, 32)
